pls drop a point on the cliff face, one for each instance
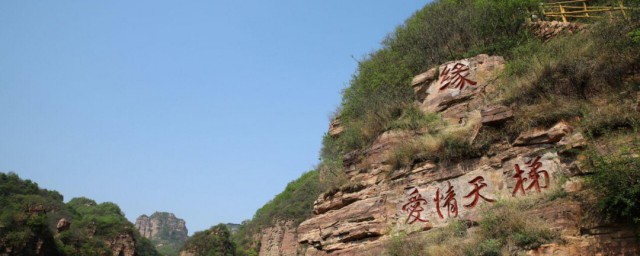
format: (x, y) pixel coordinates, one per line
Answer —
(165, 230)
(279, 240)
(384, 199)
(123, 244)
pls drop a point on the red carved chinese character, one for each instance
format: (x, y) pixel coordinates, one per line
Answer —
(478, 184)
(534, 174)
(456, 76)
(414, 207)
(519, 183)
(450, 202)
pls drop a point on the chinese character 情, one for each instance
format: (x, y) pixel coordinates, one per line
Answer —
(449, 202)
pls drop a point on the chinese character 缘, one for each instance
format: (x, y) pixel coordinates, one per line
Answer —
(456, 76)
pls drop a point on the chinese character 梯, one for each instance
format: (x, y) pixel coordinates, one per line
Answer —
(534, 177)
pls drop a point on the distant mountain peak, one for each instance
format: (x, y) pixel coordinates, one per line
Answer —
(164, 229)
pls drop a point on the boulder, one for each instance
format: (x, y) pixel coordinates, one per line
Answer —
(421, 82)
(495, 114)
(457, 82)
(552, 135)
(63, 225)
(335, 127)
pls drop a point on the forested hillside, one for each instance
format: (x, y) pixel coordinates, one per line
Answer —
(35, 221)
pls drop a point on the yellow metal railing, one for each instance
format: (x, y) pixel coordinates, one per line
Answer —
(580, 9)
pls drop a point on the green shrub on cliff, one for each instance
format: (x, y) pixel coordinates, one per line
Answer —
(616, 179)
(563, 78)
(215, 241)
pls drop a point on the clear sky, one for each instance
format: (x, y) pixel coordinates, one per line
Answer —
(206, 109)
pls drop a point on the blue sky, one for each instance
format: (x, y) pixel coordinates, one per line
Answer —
(206, 109)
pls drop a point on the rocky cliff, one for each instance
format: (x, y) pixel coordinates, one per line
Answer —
(385, 198)
(280, 239)
(167, 232)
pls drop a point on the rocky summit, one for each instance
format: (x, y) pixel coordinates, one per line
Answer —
(167, 232)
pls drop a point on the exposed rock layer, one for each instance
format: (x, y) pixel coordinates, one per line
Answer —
(279, 240)
(359, 219)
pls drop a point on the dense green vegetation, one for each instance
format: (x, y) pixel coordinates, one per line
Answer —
(617, 180)
(30, 214)
(215, 241)
(22, 223)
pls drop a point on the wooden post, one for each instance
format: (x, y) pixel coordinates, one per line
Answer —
(584, 6)
(610, 13)
(564, 18)
(622, 9)
(542, 10)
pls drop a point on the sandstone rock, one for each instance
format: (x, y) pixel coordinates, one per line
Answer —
(279, 240)
(564, 216)
(122, 245)
(495, 114)
(553, 135)
(339, 230)
(187, 253)
(335, 127)
(421, 82)
(63, 225)
(546, 30)
(459, 81)
(620, 242)
(573, 185)
(351, 158)
(163, 229)
(344, 196)
(376, 157)
(575, 140)
(151, 226)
